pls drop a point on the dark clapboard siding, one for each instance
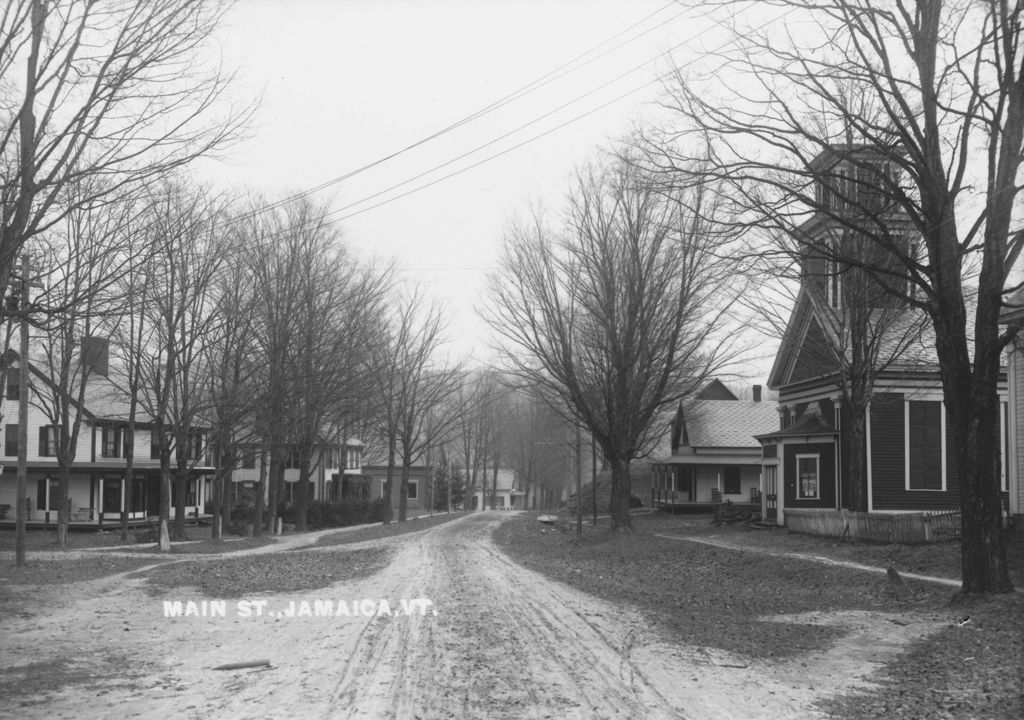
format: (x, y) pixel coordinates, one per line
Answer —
(887, 462)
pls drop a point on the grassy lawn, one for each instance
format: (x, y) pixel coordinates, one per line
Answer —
(378, 531)
(291, 571)
(262, 574)
(706, 596)
(46, 540)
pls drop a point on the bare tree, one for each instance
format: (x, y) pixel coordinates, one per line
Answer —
(614, 318)
(100, 90)
(946, 91)
(280, 243)
(85, 260)
(530, 425)
(340, 301)
(230, 357)
(183, 229)
(466, 431)
(412, 384)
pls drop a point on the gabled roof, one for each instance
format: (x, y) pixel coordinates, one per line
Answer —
(811, 323)
(727, 423)
(103, 399)
(716, 390)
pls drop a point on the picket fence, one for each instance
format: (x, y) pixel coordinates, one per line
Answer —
(904, 528)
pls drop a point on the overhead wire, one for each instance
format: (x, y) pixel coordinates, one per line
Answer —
(533, 138)
(557, 73)
(527, 141)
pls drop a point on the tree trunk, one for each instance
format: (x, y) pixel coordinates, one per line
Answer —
(494, 481)
(856, 478)
(165, 503)
(126, 504)
(261, 490)
(388, 484)
(129, 471)
(276, 485)
(972, 412)
(63, 514)
(620, 493)
(983, 544)
(302, 501)
(224, 462)
(180, 485)
(403, 492)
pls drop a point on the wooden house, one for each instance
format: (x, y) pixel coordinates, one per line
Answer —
(98, 485)
(907, 455)
(336, 473)
(714, 456)
(1014, 465)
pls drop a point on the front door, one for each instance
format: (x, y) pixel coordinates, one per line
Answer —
(771, 498)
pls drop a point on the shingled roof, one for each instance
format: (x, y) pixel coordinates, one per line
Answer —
(727, 423)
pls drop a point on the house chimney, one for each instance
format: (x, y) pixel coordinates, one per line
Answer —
(95, 354)
(757, 393)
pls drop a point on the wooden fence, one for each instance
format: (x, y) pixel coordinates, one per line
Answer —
(904, 528)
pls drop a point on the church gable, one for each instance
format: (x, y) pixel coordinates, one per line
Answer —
(814, 356)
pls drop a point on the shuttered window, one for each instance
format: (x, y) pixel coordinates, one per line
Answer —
(924, 445)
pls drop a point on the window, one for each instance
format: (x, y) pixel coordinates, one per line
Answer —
(47, 441)
(807, 480)
(11, 441)
(925, 428)
(111, 495)
(138, 495)
(249, 457)
(413, 489)
(731, 480)
(292, 461)
(48, 494)
(195, 445)
(353, 459)
(13, 388)
(834, 278)
(190, 492)
(111, 442)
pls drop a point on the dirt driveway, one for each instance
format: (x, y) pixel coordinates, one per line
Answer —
(494, 641)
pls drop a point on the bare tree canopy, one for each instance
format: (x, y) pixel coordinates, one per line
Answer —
(413, 384)
(616, 316)
(933, 91)
(101, 89)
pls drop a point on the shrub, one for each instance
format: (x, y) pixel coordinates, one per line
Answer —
(241, 515)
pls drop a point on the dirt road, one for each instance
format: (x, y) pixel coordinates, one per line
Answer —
(469, 635)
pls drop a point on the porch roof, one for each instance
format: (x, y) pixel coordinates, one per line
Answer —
(810, 425)
(100, 466)
(710, 459)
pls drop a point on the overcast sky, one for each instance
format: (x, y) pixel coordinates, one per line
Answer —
(346, 83)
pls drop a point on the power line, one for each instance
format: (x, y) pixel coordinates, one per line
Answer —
(528, 124)
(531, 139)
(544, 80)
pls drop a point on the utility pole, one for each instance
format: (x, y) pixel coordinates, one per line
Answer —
(19, 533)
